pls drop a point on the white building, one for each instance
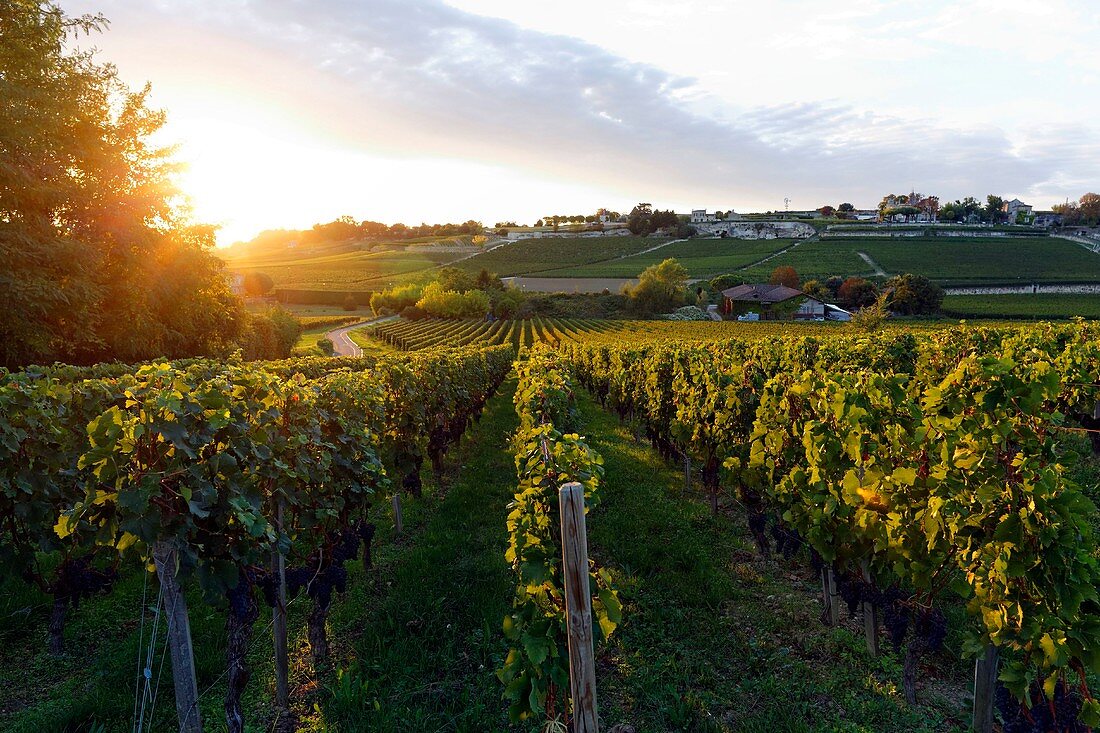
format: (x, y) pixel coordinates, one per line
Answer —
(700, 216)
(1017, 212)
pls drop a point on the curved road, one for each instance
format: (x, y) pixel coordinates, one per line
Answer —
(342, 344)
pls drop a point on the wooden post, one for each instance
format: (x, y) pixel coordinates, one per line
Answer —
(870, 616)
(985, 684)
(278, 632)
(397, 523)
(831, 597)
(165, 558)
(578, 604)
(687, 472)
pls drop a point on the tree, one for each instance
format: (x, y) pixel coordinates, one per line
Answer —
(639, 221)
(857, 293)
(993, 208)
(816, 289)
(660, 288)
(507, 302)
(833, 285)
(257, 284)
(784, 275)
(486, 280)
(844, 211)
(827, 211)
(100, 258)
(452, 278)
(913, 295)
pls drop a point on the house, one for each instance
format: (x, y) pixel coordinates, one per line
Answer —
(700, 216)
(775, 302)
(1046, 219)
(1017, 212)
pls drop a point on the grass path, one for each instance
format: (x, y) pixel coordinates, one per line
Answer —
(715, 639)
(421, 640)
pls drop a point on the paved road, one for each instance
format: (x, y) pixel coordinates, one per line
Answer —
(342, 344)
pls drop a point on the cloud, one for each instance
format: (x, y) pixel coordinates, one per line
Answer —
(426, 78)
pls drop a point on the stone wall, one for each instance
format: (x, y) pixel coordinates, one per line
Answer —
(757, 229)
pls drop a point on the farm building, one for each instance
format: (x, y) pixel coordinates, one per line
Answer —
(779, 302)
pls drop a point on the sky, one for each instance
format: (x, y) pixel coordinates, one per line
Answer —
(292, 112)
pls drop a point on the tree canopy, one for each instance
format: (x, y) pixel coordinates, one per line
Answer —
(784, 275)
(660, 288)
(101, 261)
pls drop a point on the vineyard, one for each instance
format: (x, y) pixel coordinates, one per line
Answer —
(923, 480)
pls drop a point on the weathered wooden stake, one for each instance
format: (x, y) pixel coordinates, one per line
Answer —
(578, 605)
(826, 599)
(985, 684)
(279, 636)
(870, 617)
(831, 597)
(398, 525)
(165, 558)
(687, 472)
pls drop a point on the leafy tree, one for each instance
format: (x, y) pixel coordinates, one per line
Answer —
(913, 295)
(725, 282)
(816, 289)
(257, 284)
(827, 211)
(100, 259)
(833, 285)
(270, 335)
(844, 211)
(486, 280)
(784, 275)
(660, 288)
(857, 292)
(993, 206)
(395, 299)
(507, 302)
(639, 221)
(452, 278)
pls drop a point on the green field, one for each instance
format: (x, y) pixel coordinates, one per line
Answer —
(1044, 305)
(949, 261)
(540, 255)
(701, 257)
(355, 270)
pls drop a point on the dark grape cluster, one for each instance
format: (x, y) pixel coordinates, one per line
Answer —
(758, 526)
(787, 540)
(895, 615)
(366, 534)
(816, 561)
(1041, 714)
(77, 578)
(334, 577)
(298, 578)
(850, 587)
(268, 583)
(930, 627)
(345, 546)
(242, 604)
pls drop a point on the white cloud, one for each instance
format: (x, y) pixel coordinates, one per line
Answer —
(425, 78)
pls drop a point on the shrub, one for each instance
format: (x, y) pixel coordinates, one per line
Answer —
(270, 335)
(441, 303)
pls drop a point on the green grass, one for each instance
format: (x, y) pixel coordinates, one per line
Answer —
(716, 639)
(947, 260)
(1039, 306)
(701, 257)
(539, 255)
(355, 270)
